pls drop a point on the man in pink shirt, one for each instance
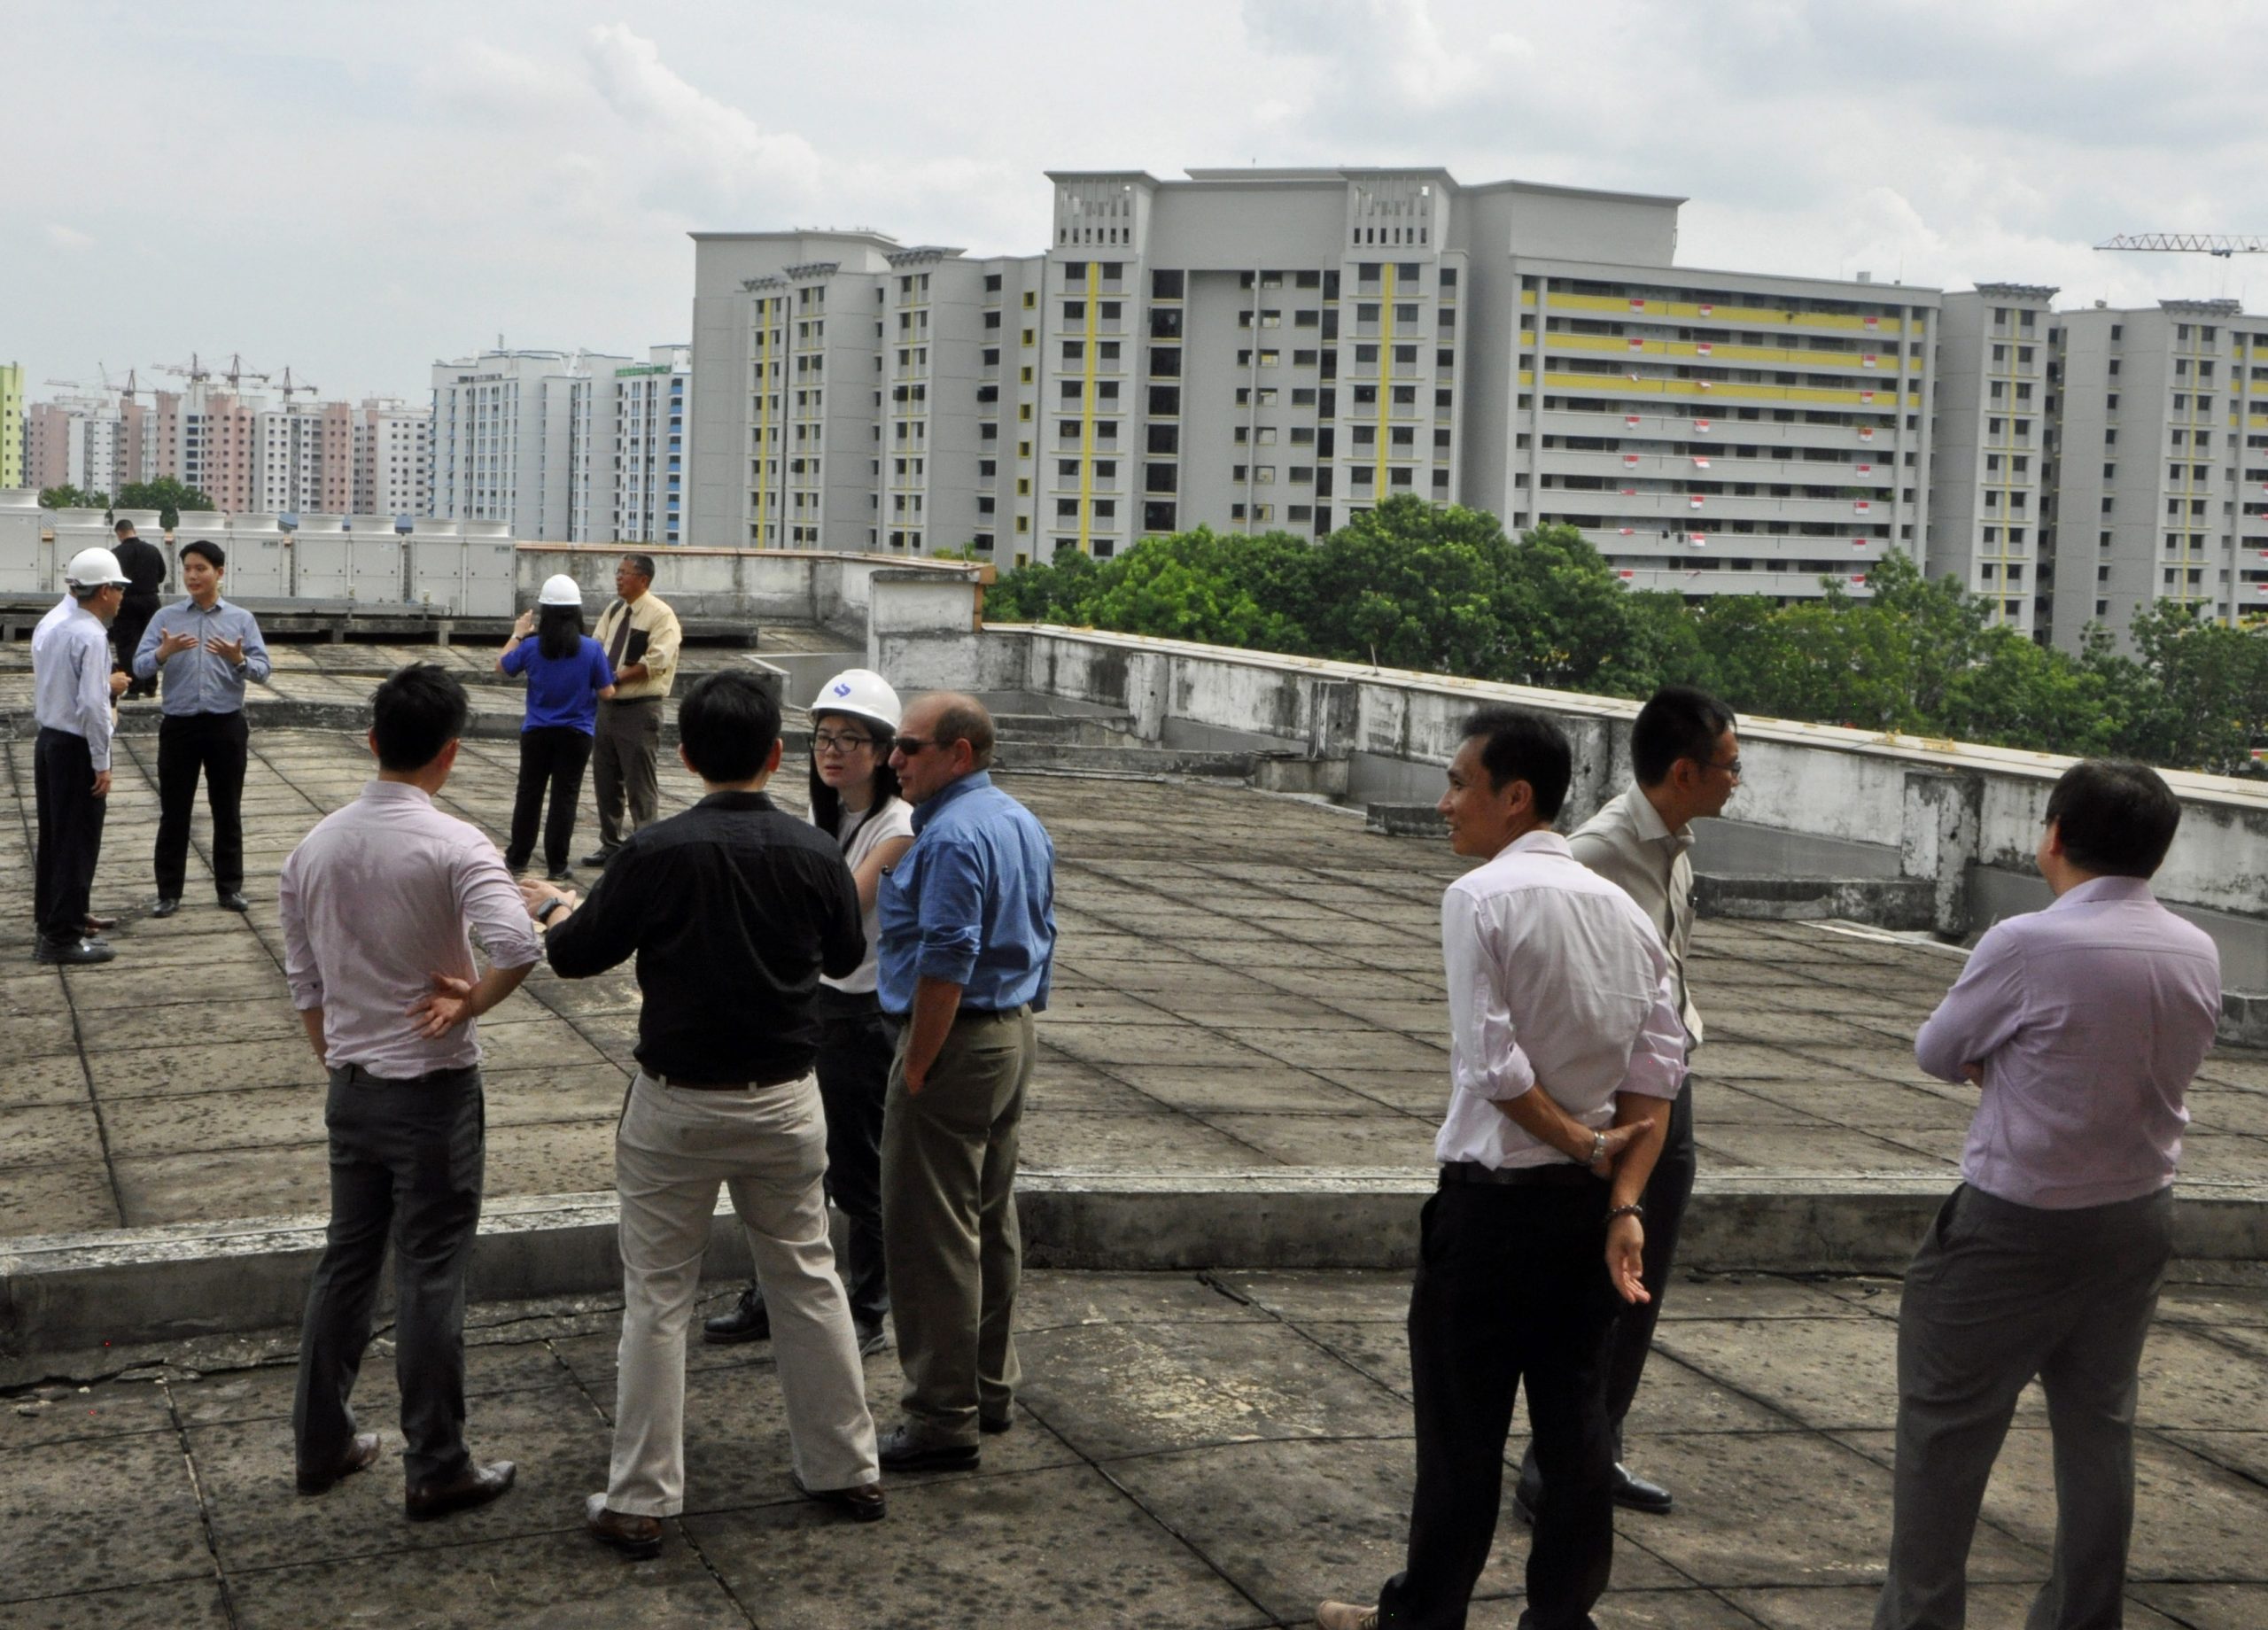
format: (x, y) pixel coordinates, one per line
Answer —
(2082, 1026)
(377, 904)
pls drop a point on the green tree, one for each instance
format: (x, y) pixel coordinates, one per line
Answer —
(1217, 588)
(69, 497)
(167, 496)
(2206, 701)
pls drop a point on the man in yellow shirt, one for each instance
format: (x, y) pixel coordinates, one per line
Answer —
(641, 637)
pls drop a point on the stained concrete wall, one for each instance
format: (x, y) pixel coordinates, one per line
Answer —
(798, 586)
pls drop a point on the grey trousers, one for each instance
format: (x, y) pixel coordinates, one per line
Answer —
(948, 1224)
(406, 1166)
(1999, 1294)
(767, 1145)
(623, 757)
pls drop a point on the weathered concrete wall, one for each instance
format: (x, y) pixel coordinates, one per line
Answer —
(1945, 809)
(797, 586)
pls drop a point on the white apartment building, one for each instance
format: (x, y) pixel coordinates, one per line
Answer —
(511, 441)
(303, 459)
(651, 404)
(1257, 349)
(2160, 478)
(392, 455)
(1991, 526)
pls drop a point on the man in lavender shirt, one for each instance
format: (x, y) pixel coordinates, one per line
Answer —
(377, 904)
(2082, 1025)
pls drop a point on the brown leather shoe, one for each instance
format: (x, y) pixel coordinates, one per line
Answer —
(360, 1453)
(476, 1485)
(639, 1537)
(100, 925)
(865, 1502)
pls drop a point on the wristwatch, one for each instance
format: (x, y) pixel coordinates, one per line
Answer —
(543, 912)
(1598, 1148)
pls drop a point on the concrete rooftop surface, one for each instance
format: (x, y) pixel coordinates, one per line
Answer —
(1203, 1452)
(1244, 983)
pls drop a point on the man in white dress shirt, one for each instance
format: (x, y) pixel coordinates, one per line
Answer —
(1566, 1052)
(1686, 762)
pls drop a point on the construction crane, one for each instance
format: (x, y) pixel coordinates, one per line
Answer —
(288, 389)
(193, 370)
(2221, 245)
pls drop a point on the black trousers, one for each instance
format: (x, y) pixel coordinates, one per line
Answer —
(70, 833)
(406, 1165)
(214, 745)
(1512, 1290)
(1667, 1190)
(855, 1044)
(126, 631)
(553, 756)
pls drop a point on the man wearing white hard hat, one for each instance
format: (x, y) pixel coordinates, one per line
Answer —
(73, 689)
(568, 676)
(208, 650)
(855, 800)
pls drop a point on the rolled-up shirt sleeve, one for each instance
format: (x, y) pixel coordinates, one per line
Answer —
(952, 914)
(299, 967)
(1486, 1059)
(1657, 1060)
(1980, 1014)
(490, 901)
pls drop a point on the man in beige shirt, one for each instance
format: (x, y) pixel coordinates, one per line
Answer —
(639, 634)
(1686, 761)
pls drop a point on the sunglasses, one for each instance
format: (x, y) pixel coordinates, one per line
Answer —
(908, 747)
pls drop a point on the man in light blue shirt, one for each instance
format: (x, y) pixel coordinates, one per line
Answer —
(72, 689)
(208, 648)
(967, 928)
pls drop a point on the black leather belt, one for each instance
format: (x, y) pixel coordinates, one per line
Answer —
(1558, 1175)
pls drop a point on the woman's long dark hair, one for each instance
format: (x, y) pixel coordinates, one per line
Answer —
(826, 804)
(559, 630)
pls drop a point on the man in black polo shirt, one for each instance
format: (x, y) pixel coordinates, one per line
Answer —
(732, 910)
(145, 565)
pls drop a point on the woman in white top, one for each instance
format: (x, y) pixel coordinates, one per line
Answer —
(854, 795)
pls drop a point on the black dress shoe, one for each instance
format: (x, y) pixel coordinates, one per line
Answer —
(166, 905)
(231, 901)
(1633, 1493)
(864, 1502)
(73, 953)
(360, 1453)
(598, 858)
(993, 1425)
(639, 1537)
(476, 1485)
(99, 925)
(900, 1450)
(749, 1320)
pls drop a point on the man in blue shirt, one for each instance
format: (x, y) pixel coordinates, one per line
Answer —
(967, 928)
(207, 649)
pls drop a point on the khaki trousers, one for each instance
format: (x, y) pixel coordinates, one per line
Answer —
(948, 1224)
(623, 767)
(768, 1146)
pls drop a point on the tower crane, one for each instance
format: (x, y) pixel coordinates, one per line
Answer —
(2221, 245)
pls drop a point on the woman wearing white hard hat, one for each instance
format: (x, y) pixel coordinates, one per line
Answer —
(567, 677)
(854, 797)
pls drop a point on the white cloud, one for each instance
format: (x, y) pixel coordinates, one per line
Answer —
(71, 238)
(702, 135)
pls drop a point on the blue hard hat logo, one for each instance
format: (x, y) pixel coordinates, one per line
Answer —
(841, 688)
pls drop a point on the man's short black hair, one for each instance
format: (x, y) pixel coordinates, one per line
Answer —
(2115, 816)
(1520, 745)
(417, 711)
(1677, 722)
(643, 565)
(727, 724)
(209, 549)
(120, 527)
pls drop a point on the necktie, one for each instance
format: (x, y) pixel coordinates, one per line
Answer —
(619, 642)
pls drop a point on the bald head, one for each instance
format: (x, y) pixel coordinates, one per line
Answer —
(943, 736)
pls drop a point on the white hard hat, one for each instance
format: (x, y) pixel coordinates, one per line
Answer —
(861, 692)
(560, 590)
(93, 568)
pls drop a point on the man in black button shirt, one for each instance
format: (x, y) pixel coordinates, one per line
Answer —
(732, 910)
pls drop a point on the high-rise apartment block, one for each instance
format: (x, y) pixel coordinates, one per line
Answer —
(650, 408)
(514, 437)
(303, 459)
(1259, 349)
(13, 430)
(1990, 521)
(391, 455)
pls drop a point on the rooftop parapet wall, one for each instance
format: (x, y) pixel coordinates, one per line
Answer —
(801, 586)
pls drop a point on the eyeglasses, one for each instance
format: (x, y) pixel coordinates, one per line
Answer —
(907, 747)
(828, 742)
(1731, 766)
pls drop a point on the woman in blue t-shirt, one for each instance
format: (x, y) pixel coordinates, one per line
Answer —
(568, 677)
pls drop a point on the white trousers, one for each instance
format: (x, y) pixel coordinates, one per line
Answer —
(768, 1146)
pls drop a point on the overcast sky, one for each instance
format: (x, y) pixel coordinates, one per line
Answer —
(358, 190)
